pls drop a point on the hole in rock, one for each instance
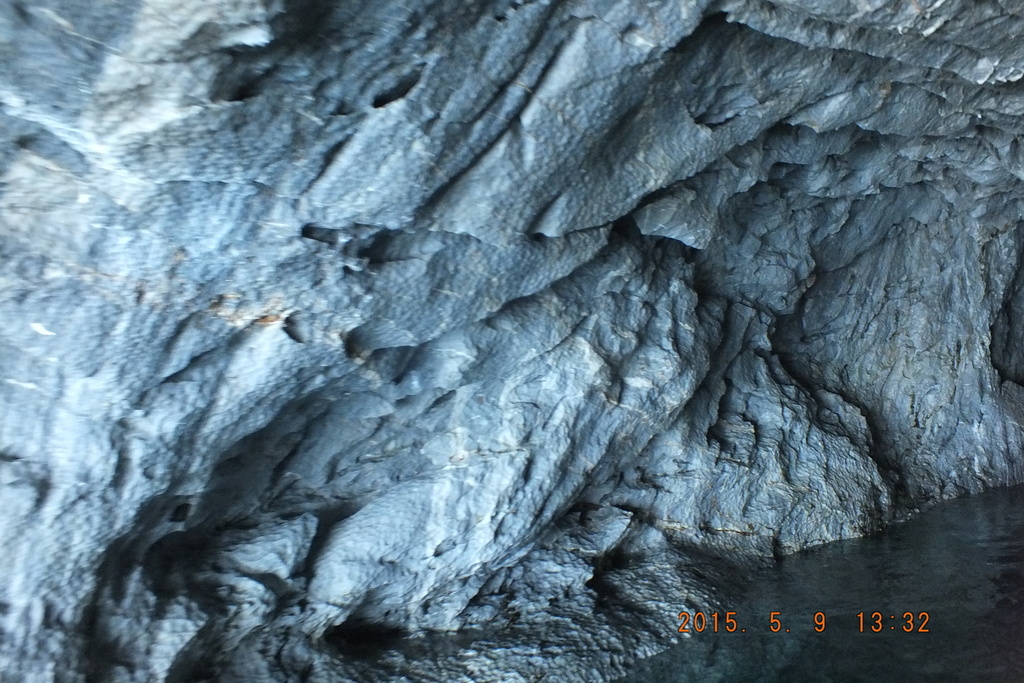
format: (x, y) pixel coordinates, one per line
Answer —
(377, 248)
(711, 22)
(358, 345)
(584, 509)
(243, 89)
(295, 329)
(714, 119)
(166, 564)
(400, 90)
(341, 109)
(600, 584)
(181, 512)
(312, 231)
(362, 638)
(625, 228)
(614, 559)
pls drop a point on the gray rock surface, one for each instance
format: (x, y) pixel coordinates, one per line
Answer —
(330, 328)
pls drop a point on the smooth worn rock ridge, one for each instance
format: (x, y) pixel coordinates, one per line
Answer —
(342, 325)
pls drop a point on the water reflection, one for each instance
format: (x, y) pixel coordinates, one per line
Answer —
(961, 562)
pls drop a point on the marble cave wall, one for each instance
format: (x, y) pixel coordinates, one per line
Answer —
(535, 318)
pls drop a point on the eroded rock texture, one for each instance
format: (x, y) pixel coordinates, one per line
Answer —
(335, 322)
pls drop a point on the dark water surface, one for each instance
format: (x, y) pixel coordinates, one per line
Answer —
(961, 562)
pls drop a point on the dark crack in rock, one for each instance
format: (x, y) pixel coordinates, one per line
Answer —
(446, 341)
